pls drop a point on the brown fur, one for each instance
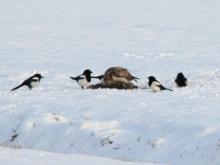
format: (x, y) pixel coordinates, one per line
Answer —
(118, 74)
(114, 85)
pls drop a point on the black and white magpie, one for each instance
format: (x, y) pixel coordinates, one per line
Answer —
(101, 77)
(31, 82)
(84, 79)
(155, 85)
(181, 80)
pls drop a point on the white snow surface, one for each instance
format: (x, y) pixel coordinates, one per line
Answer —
(27, 157)
(149, 37)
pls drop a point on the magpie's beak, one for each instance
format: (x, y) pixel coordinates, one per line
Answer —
(42, 77)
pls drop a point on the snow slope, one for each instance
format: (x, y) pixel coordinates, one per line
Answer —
(160, 38)
(27, 157)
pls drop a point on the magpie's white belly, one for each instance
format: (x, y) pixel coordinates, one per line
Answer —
(154, 87)
(83, 83)
(35, 83)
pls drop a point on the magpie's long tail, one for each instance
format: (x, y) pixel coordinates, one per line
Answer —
(135, 78)
(98, 77)
(169, 89)
(19, 86)
(73, 78)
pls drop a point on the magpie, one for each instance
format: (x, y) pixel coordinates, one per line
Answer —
(101, 77)
(155, 85)
(84, 79)
(31, 82)
(181, 80)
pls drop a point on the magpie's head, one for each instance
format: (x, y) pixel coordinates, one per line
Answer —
(39, 76)
(87, 72)
(151, 79)
(180, 76)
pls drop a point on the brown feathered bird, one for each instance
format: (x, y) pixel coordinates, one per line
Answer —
(114, 85)
(118, 74)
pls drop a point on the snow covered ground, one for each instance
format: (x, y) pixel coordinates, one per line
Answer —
(160, 38)
(27, 157)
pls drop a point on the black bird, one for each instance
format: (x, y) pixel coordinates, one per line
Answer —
(155, 85)
(84, 79)
(181, 80)
(31, 82)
